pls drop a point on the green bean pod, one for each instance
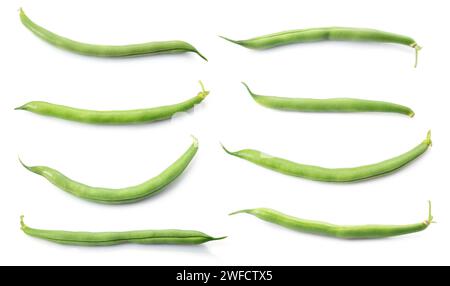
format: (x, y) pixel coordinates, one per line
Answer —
(326, 34)
(114, 117)
(150, 48)
(118, 196)
(163, 236)
(329, 104)
(328, 174)
(338, 231)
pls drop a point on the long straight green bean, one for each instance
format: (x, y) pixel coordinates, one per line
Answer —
(82, 238)
(326, 34)
(329, 104)
(114, 117)
(338, 231)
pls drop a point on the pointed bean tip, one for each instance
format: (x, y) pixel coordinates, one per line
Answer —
(225, 149)
(228, 39)
(21, 162)
(22, 107)
(24, 165)
(201, 55)
(239, 212)
(218, 238)
(248, 88)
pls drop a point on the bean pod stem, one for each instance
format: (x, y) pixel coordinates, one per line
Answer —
(163, 236)
(338, 231)
(326, 34)
(150, 48)
(317, 173)
(114, 117)
(118, 196)
(329, 104)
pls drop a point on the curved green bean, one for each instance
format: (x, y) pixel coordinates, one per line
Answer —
(332, 175)
(118, 196)
(150, 48)
(326, 34)
(338, 231)
(329, 104)
(113, 117)
(163, 236)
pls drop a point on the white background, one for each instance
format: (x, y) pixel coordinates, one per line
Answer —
(215, 183)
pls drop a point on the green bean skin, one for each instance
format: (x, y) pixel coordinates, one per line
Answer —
(113, 117)
(326, 34)
(167, 236)
(328, 105)
(118, 196)
(332, 175)
(150, 48)
(338, 231)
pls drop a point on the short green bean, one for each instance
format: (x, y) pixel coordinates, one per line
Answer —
(163, 236)
(329, 104)
(332, 175)
(326, 34)
(339, 231)
(118, 196)
(150, 48)
(113, 117)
